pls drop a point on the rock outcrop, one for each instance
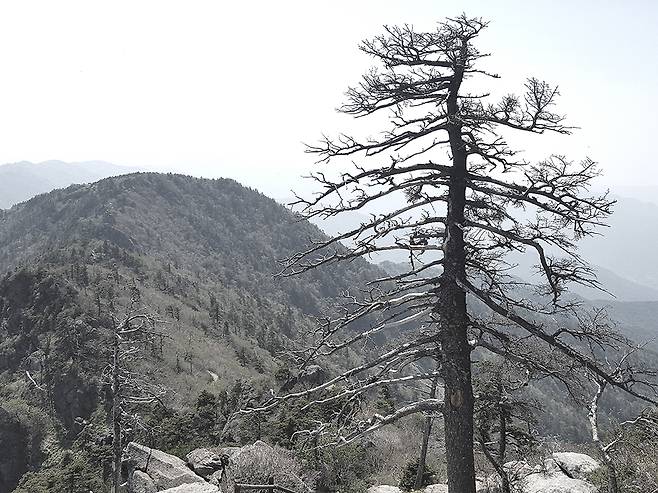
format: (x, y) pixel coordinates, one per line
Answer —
(384, 488)
(542, 482)
(205, 462)
(153, 471)
(572, 464)
(165, 470)
(563, 472)
(140, 482)
(436, 488)
(432, 488)
(194, 488)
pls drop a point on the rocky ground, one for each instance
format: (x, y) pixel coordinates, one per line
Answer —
(148, 470)
(563, 472)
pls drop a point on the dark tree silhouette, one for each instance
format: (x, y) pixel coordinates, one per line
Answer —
(465, 199)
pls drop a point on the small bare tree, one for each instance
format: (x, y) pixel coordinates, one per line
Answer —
(449, 192)
(132, 335)
(624, 367)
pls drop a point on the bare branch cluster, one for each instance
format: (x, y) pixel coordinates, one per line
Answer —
(129, 388)
(464, 201)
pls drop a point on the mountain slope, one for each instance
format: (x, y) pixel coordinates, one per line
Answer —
(22, 181)
(179, 239)
(639, 318)
(620, 288)
(183, 241)
(199, 255)
(218, 227)
(202, 255)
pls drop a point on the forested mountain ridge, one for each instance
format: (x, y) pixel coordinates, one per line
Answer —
(182, 220)
(200, 255)
(621, 255)
(192, 246)
(637, 320)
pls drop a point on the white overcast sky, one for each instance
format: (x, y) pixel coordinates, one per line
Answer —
(233, 88)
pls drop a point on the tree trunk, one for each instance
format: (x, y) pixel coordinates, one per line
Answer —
(502, 439)
(116, 418)
(501, 455)
(485, 438)
(458, 408)
(452, 314)
(613, 486)
(426, 438)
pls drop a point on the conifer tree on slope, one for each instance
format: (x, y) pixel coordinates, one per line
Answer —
(468, 199)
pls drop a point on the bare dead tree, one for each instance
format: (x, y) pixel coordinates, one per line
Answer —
(465, 200)
(129, 388)
(624, 367)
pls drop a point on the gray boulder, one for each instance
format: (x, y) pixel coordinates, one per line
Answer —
(204, 462)
(555, 483)
(228, 451)
(384, 488)
(314, 375)
(140, 482)
(554, 477)
(166, 471)
(480, 485)
(193, 488)
(259, 444)
(572, 464)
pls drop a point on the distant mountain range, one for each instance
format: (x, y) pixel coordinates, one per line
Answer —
(628, 246)
(644, 193)
(22, 181)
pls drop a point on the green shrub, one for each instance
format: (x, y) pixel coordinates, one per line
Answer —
(344, 468)
(73, 474)
(408, 479)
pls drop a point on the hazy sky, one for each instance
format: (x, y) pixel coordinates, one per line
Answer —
(233, 88)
